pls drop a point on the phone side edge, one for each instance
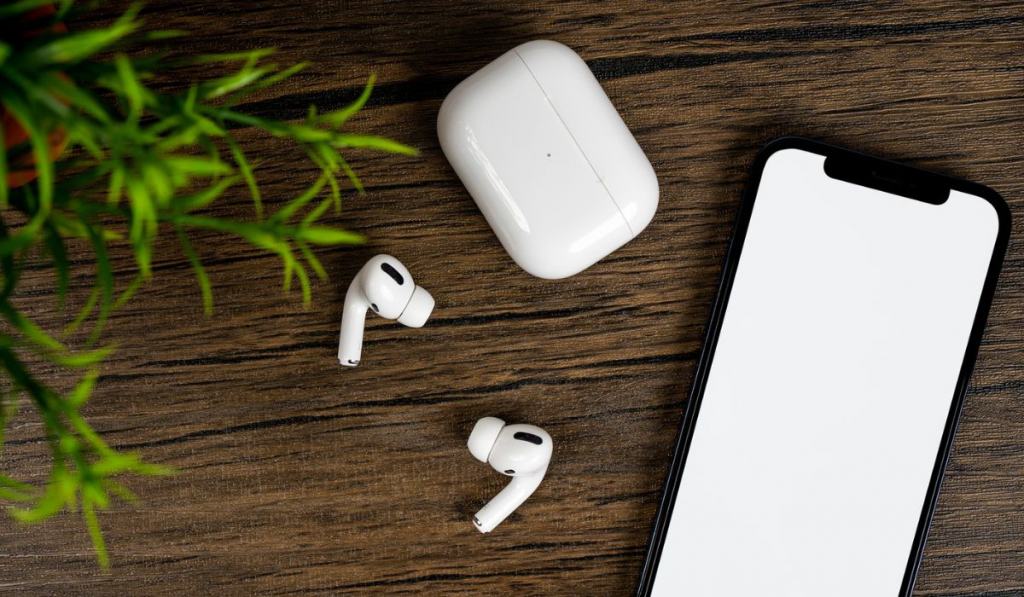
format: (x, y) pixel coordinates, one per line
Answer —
(712, 328)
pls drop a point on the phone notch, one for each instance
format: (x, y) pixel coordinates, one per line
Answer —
(888, 177)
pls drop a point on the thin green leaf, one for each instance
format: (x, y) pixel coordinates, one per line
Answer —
(265, 82)
(312, 260)
(160, 182)
(351, 174)
(74, 47)
(92, 489)
(255, 234)
(143, 224)
(119, 462)
(298, 133)
(197, 165)
(83, 389)
(95, 533)
(7, 266)
(115, 185)
(41, 150)
(247, 55)
(322, 235)
(14, 490)
(59, 257)
(373, 142)
(190, 100)
(104, 279)
(81, 359)
(289, 268)
(36, 93)
(274, 127)
(197, 266)
(3, 169)
(164, 34)
(338, 117)
(307, 293)
(286, 212)
(131, 86)
(225, 85)
(85, 136)
(8, 408)
(89, 434)
(28, 329)
(21, 7)
(246, 170)
(327, 158)
(84, 312)
(119, 490)
(79, 97)
(206, 196)
(51, 502)
(129, 292)
(315, 213)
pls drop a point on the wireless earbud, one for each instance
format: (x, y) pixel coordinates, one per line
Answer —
(385, 286)
(519, 451)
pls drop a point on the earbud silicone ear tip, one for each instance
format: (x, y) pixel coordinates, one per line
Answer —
(483, 436)
(418, 310)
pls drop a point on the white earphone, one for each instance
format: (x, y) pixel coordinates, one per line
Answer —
(385, 286)
(522, 452)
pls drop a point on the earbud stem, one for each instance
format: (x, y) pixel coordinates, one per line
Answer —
(353, 320)
(515, 493)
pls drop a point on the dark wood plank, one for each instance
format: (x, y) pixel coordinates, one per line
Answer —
(299, 477)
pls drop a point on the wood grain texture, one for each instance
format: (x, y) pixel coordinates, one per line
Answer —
(297, 477)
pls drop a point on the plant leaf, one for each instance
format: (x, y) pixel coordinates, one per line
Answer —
(59, 256)
(104, 279)
(143, 224)
(197, 266)
(14, 490)
(339, 117)
(95, 533)
(246, 170)
(206, 196)
(83, 390)
(74, 47)
(313, 261)
(41, 151)
(7, 266)
(373, 142)
(84, 312)
(130, 86)
(30, 330)
(294, 205)
(21, 6)
(307, 293)
(3, 169)
(197, 165)
(247, 55)
(322, 235)
(129, 292)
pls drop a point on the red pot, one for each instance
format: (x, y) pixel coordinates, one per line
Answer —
(21, 170)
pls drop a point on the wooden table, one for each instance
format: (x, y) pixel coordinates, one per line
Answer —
(299, 477)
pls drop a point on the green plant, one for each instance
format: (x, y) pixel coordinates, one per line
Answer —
(145, 156)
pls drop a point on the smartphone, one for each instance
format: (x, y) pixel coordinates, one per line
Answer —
(833, 372)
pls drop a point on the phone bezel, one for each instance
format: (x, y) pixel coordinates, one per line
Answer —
(894, 174)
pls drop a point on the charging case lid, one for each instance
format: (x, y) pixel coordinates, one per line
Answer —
(547, 159)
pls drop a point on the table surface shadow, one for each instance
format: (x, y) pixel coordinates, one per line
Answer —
(298, 477)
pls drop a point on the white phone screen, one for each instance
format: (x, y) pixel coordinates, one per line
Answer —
(831, 383)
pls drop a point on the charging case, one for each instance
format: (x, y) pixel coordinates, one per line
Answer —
(547, 159)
